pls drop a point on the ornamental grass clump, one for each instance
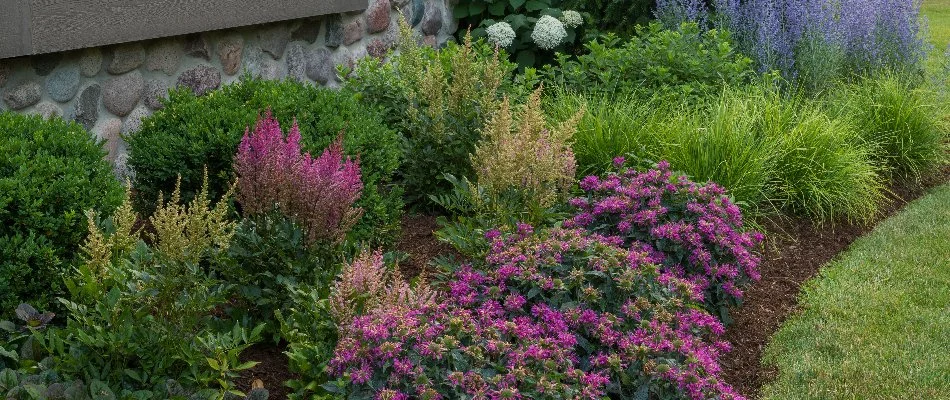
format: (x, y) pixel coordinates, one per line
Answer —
(693, 231)
(551, 315)
(317, 193)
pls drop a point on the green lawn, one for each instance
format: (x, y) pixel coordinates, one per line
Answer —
(938, 14)
(876, 323)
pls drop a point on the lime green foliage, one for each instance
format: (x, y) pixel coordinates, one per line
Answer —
(897, 121)
(193, 132)
(772, 152)
(686, 62)
(875, 323)
(51, 171)
(938, 18)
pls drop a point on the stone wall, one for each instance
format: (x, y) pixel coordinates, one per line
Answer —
(110, 89)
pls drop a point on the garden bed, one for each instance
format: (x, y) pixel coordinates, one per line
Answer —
(796, 252)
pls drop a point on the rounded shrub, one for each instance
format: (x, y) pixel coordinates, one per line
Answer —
(192, 132)
(51, 172)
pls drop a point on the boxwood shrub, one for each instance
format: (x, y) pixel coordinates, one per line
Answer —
(51, 171)
(192, 132)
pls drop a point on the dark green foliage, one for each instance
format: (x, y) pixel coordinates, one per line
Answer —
(193, 132)
(618, 16)
(478, 15)
(686, 63)
(51, 171)
(268, 259)
(312, 335)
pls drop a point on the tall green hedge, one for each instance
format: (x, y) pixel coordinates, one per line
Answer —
(51, 172)
(192, 132)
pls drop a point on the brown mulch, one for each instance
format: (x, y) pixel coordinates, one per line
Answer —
(272, 370)
(796, 251)
(420, 244)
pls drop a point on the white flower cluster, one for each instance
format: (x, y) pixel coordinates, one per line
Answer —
(501, 34)
(572, 18)
(548, 32)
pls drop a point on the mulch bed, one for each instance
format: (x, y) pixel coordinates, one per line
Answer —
(796, 251)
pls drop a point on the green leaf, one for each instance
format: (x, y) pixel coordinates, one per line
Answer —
(213, 363)
(497, 8)
(535, 5)
(516, 3)
(7, 326)
(476, 8)
(246, 365)
(525, 58)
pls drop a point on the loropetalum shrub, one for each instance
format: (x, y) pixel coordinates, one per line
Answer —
(560, 314)
(51, 171)
(684, 62)
(693, 231)
(192, 132)
(318, 193)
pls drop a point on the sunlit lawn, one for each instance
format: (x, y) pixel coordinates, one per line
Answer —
(938, 14)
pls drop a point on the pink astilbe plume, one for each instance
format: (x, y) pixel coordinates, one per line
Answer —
(318, 193)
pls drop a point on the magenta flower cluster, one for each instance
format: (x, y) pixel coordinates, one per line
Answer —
(692, 231)
(317, 193)
(550, 315)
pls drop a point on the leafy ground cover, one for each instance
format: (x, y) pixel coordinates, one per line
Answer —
(875, 325)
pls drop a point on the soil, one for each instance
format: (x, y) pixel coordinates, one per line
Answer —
(796, 251)
(420, 244)
(272, 370)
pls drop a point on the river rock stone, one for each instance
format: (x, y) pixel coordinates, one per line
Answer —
(23, 96)
(110, 130)
(432, 21)
(197, 46)
(320, 66)
(308, 30)
(121, 94)
(134, 121)
(156, 90)
(334, 36)
(418, 11)
(47, 109)
(87, 107)
(230, 49)
(63, 84)
(377, 48)
(261, 65)
(377, 16)
(200, 79)
(126, 57)
(297, 62)
(90, 62)
(352, 32)
(274, 40)
(164, 56)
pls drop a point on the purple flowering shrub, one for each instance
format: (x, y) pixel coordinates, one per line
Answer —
(557, 314)
(317, 193)
(692, 231)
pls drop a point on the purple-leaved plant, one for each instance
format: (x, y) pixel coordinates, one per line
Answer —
(317, 193)
(692, 231)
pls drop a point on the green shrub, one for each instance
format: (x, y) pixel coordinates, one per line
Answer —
(50, 172)
(686, 62)
(193, 132)
(619, 16)
(899, 123)
(439, 100)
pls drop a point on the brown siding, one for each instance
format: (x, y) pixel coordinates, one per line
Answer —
(58, 25)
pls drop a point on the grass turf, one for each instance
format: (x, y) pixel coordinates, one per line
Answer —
(938, 15)
(876, 323)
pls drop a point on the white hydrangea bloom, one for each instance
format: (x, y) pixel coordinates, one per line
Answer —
(572, 18)
(501, 34)
(548, 32)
